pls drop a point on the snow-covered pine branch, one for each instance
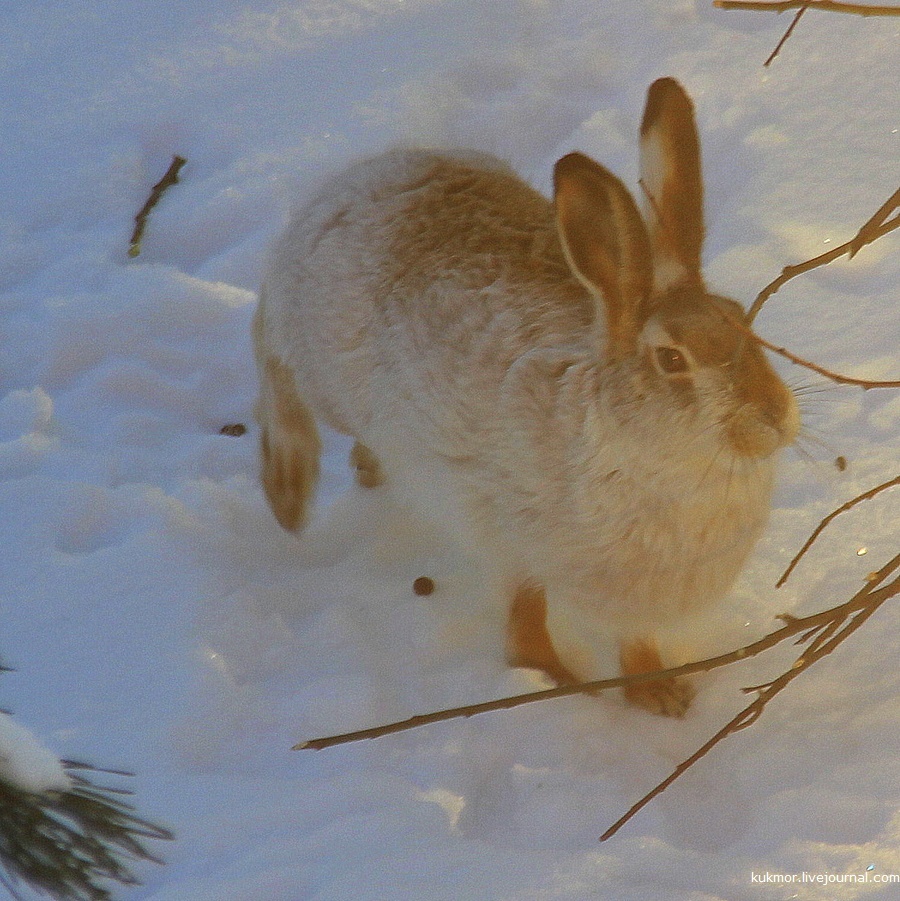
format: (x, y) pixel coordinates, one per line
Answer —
(61, 833)
(26, 763)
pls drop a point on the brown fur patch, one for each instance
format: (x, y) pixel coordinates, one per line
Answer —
(289, 444)
(671, 174)
(606, 243)
(479, 228)
(528, 642)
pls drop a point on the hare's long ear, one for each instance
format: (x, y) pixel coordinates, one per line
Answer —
(606, 245)
(672, 181)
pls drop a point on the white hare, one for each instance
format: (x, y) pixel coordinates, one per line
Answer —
(557, 374)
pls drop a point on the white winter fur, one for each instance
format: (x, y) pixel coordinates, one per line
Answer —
(424, 305)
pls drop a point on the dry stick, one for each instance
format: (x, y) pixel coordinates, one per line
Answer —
(875, 228)
(867, 233)
(793, 626)
(786, 35)
(835, 513)
(809, 625)
(869, 601)
(866, 384)
(859, 9)
(140, 220)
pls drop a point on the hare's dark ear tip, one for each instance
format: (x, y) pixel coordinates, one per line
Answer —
(571, 163)
(665, 94)
(666, 83)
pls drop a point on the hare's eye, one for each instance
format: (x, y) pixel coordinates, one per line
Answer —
(671, 360)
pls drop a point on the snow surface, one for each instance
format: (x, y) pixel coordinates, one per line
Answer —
(158, 619)
(25, 762)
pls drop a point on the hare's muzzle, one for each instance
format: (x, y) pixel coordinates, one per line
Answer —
(767, 418)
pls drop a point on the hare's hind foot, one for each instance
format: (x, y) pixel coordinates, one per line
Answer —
(667, 696)
(528, 643)
(366, 466)
(289, 446)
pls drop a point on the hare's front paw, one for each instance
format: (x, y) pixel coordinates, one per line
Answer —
(528, 642)
(666, 697)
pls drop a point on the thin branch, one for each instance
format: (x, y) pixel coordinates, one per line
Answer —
(867, 233)
(140, 220)
(876, 227)
(821, 632)
(786, 35)
(866, 384)
(868, 598)
(831, 6)
(792, 626)
(824, 523)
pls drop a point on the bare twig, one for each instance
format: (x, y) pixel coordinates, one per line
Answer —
(824, 523)
(140, 220)
(786, 35)
(869, 232)
(792, 626)
(866, 384)
(821, 632)
(867, 600)
(831, 6)
(802, 6)
(877, 226)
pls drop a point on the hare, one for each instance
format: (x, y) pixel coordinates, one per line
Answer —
(555, 374)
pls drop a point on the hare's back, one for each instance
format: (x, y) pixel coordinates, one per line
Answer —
(419, 275)
(430, 236)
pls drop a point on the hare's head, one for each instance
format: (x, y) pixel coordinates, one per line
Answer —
(689, 347)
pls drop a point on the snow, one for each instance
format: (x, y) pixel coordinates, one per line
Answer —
(159, 621)
(25, 762)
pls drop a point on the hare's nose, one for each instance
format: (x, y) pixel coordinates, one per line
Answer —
(775, 404)
(779, 411)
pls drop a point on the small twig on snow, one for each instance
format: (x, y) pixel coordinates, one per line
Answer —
(140, 220)
(865, 384)
(876, 227)
(792, 626)
(802, 6)
(870, 231)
